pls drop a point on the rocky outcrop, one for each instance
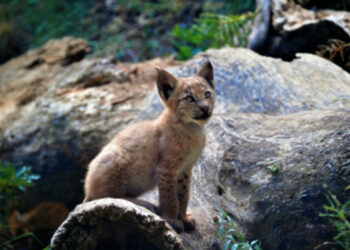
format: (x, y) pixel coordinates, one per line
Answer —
(284, 28)
(56, 116)
(293, 116)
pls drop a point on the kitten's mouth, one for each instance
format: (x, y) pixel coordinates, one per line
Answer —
(204, 116)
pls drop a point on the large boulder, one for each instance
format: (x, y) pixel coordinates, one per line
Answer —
(269, 113)
(293, 116)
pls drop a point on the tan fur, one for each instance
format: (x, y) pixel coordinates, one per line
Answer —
(43, 220)
(160, 152)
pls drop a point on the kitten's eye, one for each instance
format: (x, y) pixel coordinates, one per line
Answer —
(207, 94)
(189, 99)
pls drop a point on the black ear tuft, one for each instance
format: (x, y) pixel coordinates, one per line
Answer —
(207, 72)
(166, 83)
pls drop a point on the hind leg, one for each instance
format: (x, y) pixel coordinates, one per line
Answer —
(105, 179)
(99, 188)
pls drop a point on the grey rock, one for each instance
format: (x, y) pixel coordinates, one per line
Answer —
(293, 116)
(249, 83)
(311, 152)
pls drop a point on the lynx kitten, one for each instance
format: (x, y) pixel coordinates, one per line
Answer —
(160, 152)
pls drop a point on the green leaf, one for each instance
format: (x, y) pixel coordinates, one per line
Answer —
(241, 237)
(235, 246)
(230, 237)
(273, 168)
(227, 245)
(48, 247)
(338, 215)
(185, 52)
(222, 230)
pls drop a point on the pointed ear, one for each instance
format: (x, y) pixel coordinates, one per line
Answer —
(207, 72)
(19, 216)
(166, 84)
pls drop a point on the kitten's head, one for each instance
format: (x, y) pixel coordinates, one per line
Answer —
(17, 222)
(191, 99)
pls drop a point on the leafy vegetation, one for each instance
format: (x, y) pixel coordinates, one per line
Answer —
(212, 31)
(34, 22)
(12, 181)
(339, 216)
(7, 243)
(231, 237)
(130, 30)
(41, 20)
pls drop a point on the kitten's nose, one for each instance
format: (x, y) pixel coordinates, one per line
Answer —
(204, 108)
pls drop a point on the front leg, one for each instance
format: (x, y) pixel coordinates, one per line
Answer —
(183, 193)
(168, 202)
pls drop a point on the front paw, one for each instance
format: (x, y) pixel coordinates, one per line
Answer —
(188, 222)
(176, 224)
